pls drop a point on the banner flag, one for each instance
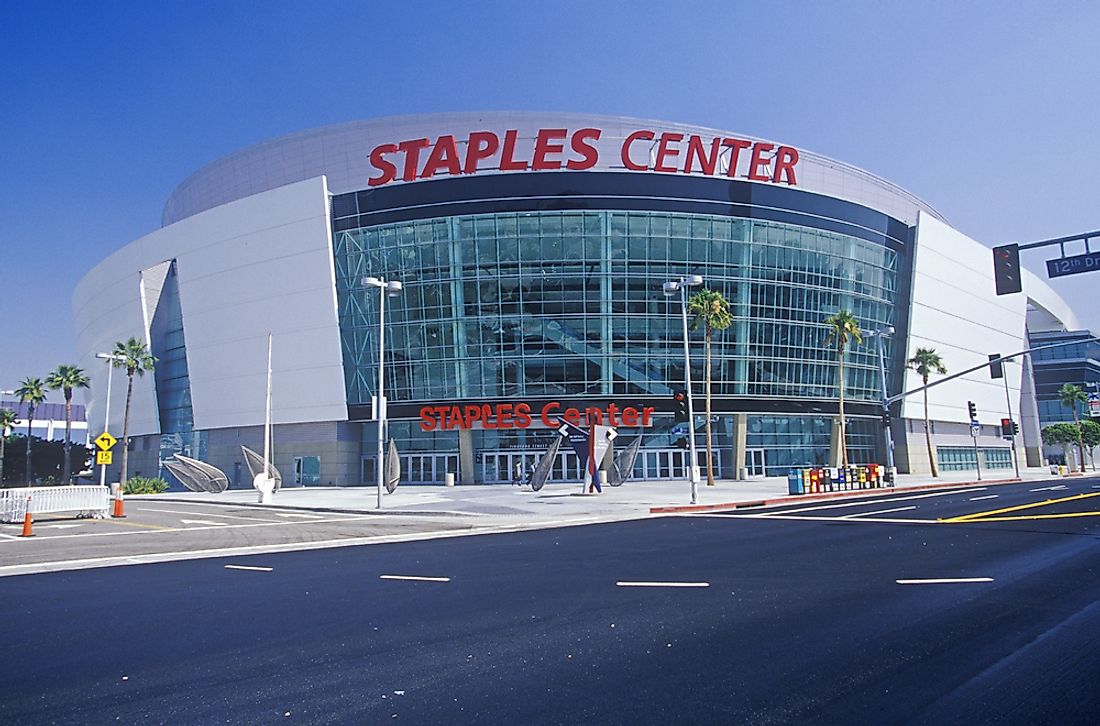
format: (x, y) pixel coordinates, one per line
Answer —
(392, 472)
(624, 463)
(546, 463)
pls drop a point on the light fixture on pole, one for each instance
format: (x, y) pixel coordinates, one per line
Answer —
(670, 289)
(888, 436)
(110, 358)
(391, 288)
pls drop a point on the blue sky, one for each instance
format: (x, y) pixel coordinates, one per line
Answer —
(986, 110)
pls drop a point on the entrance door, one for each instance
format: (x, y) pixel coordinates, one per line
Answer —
(754, 462)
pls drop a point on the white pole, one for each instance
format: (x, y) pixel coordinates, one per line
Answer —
(380, 400)
(693, 464)
(267, 415)
(1008, 402)
(107, 416)
(889, 437)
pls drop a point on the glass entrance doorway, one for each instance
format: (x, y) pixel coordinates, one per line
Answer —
(416, 468)
(754, 462)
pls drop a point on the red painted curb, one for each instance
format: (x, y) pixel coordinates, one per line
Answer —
(795, 498)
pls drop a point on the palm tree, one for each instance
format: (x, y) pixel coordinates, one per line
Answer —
(1070, 395)
(32, 392)
(843, 326)
(7, 420)
(65, 378)
(926, 362)
(712, 311)
(134, 356)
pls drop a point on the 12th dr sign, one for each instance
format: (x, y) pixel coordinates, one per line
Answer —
(1073, 265)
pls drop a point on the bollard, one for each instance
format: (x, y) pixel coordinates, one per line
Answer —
(449, 479)
(28, 519)
(118, 508)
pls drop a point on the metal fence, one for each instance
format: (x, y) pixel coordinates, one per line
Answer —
(88, 501)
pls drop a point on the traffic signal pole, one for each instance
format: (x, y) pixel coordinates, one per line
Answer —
(1008, 402)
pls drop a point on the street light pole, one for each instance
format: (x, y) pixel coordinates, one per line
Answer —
(670, 288)
(391, 289)
(887, 434)
(107, 407)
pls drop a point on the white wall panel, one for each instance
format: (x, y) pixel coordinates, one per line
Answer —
(956, 311)
(257, 265)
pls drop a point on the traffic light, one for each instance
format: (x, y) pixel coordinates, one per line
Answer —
(679, 406)
(996, 370)
(1015, 428)
(1006, 269)
(970, 407)
(1006, 426)
(885, 418)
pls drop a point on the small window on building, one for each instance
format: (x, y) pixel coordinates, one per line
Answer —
(307, 470)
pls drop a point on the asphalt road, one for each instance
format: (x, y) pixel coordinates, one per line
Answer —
(802, 618)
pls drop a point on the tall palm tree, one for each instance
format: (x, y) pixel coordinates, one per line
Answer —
(1070, 395)
(32, 392)
(7, 420)
(65, 378)
(926, 362)
(134, 356)
(711, 310)
(843, 326)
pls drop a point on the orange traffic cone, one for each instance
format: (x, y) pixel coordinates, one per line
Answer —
(28, 520)
(118, 512)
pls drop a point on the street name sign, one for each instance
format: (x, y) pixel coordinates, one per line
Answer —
(1073, 265)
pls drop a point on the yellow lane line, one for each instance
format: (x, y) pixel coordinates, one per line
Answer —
(983, 515)
(136, 525)
(1039, 516)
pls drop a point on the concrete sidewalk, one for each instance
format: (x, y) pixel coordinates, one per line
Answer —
(560, 502)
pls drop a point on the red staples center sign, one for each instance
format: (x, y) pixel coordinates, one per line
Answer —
(580, 149)
(522, 415)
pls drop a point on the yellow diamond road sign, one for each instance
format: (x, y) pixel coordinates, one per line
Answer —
(105, 441)
(103, 458)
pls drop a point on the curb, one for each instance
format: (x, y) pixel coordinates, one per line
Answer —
(796, 498)
(290, 508)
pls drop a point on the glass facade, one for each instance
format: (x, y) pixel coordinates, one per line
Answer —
(567, 305)
(1078, 363)
(173, 384)
(963, 458)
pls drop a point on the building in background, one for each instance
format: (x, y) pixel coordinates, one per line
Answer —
(1077, 363)
(532, 249)
(49, 421)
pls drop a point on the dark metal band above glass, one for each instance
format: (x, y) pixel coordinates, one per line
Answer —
(558, 191)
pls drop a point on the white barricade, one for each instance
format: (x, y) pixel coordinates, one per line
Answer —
(89, 501)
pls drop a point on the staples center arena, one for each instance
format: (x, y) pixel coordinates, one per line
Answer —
(532, 249)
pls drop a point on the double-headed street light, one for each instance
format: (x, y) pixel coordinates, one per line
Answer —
(391, 288)
(670, 289)
(878, 335)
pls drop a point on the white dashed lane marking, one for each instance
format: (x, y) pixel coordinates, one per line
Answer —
(414, 578)
(249, 567)
(626, 583)
(880, 511)
(945, 581)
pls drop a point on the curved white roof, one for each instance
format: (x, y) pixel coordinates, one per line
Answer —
(342, 154)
